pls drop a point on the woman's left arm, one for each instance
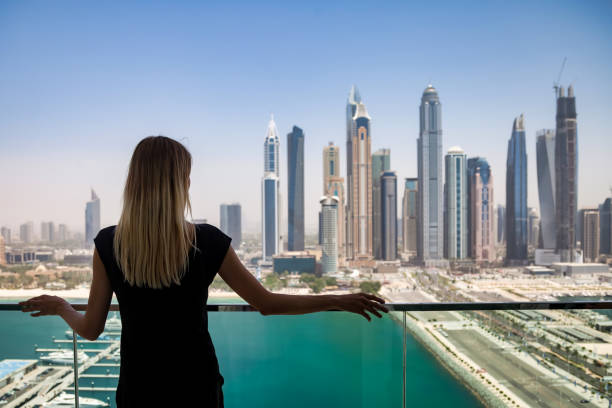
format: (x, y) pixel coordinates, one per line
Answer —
(89, 325)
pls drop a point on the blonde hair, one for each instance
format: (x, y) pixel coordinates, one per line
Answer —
(152, 239)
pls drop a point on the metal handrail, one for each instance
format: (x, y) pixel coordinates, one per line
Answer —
(401, 307)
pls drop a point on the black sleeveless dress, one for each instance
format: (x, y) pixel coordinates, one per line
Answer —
(167, 356)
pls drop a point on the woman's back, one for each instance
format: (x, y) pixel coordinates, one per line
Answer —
(167, 355)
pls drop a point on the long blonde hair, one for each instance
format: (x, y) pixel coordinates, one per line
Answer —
(153, 239)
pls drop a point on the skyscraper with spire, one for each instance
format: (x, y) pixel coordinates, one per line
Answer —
(359, 192)
(270, 194)
(566, 175)
(516, 195)
(92, 218)
(430, 241)
(351, 108)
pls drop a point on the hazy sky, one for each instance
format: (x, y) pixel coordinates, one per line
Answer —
(82, 82)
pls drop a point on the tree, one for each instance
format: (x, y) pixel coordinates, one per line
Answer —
(370, 286)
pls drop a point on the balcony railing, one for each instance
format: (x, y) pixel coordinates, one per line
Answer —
(541, 354)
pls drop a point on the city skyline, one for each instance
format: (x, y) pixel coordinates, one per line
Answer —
(47, 127)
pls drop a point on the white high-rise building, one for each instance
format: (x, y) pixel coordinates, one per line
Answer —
(270, 195)
(329, 235)
(455, 214)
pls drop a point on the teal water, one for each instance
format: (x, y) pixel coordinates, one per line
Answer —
(331, 359)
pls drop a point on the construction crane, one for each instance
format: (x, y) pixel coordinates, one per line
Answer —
(556, 83)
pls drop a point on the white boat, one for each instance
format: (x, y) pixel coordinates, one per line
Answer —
(113, 324)
(116, 355)
(101, 337)
(65, 400)
(64, 357)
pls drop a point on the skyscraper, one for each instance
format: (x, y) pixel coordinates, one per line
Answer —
(270, 192)
(351, 109)
(516, 195)
(295, 189)
(381, 162)
(590, 235)
(92, 218)
(270, 217)
(230, 222)
(388, 200)
(6, 233)
(2, 251)
(545, 157)
(533, 227)
(360, 193)
(329, 234)
(605, 227)
(500, 224)
(566, 175)
(480, 211)
(62, 232)
(409, 215)
(431, 187)
(44, 231)
(26, 232)
(333, 185)
(455, 214)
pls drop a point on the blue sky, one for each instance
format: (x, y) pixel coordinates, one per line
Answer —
(81, 83)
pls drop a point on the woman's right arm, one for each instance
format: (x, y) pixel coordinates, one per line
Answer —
(248, 287)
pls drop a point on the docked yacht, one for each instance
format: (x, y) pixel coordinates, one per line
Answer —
(65, 400)
(116, 355)
(64, 357)
(101, 337)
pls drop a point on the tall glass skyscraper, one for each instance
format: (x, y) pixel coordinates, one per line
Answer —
(388, 200)
(409, 216)
(231, 222)
(351, 108)
(329, 234)
(431, 187)
(295, 189)
(501, 223)
(545, 157)
(92, 218)
(270, 216)
(516, 195)
(270, 186)
(381, 162)
(455, 214)
(605, 227)
(480, 211)
(333, 185)
(566, 175)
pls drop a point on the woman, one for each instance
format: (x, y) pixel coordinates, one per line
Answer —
(160, 266)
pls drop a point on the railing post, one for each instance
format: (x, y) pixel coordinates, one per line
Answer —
(404, 365)
(76, 369)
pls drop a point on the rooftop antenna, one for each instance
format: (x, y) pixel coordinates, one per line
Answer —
(556, 83)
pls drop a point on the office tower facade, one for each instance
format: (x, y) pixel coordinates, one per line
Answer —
(605, 227)
(388, 200)
(63, 233)
(410, 202)
(431, 186)
(26, 232)
(566, 175)
(329, 234)
(2, 251)
(517, 234)
(44, 231)
(360, 193)
(351, 109)
(272, 149)
(590, 235)
(230, 222)
(381, 162)
(481, 214)
(545, 158)
(455, 214)
(533, 227)
(92, 218)
(500, 228)
(295, 189)
(333, 185)
(5, 232)
(270, 217)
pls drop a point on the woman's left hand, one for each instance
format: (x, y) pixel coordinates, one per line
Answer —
(44, 305)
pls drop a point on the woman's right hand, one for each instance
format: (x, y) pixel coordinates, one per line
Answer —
(360, 302)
